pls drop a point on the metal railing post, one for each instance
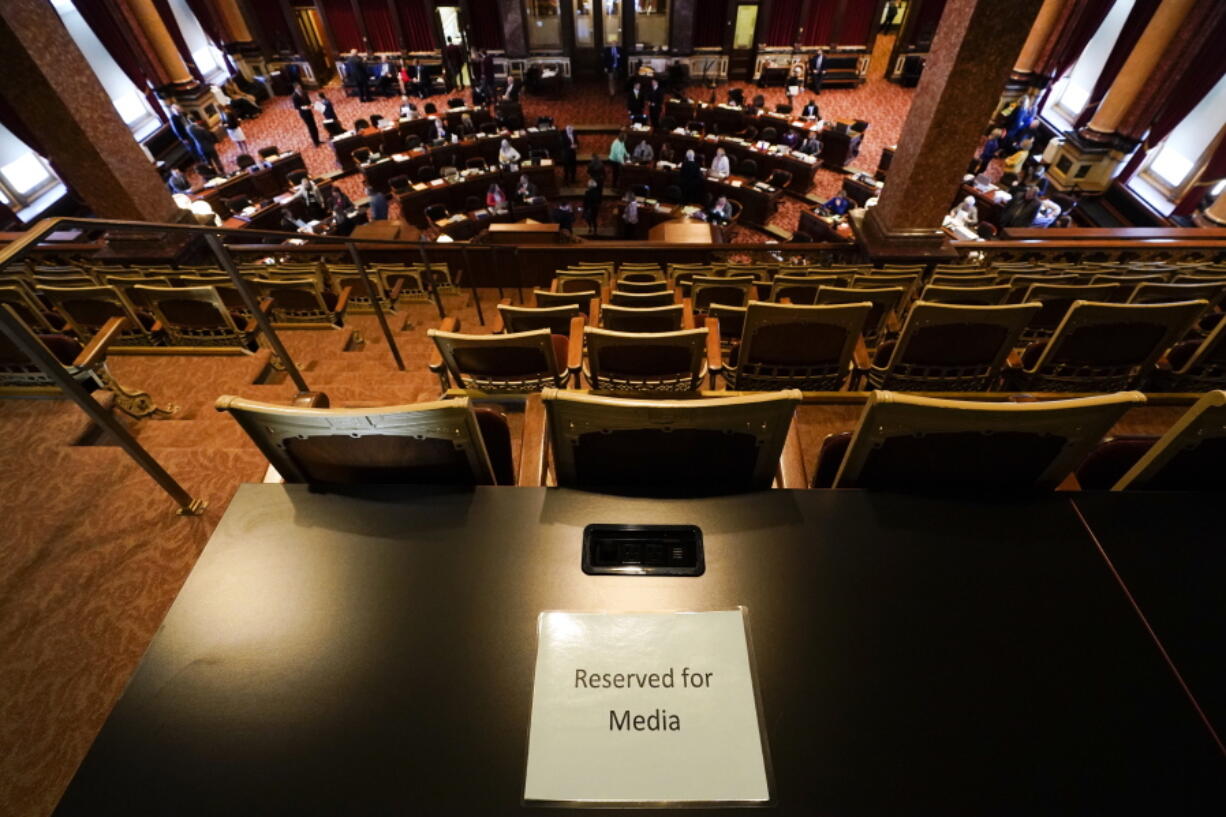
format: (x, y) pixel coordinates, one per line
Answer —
(438, 302)
(376, 295)
(227, 263)
(12, 326)
(472, 283)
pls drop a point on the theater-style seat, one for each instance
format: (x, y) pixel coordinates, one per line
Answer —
(87, 310)
(1189, 456)
(580, 281)
(441, 443)
(795, 347)
(801, 288)
(928, 445)
(196, 316)
(649, 362)
(669, 447)
(301, 302)
(641, 300)
(557, 319)
(581, 300)
(1194, 365)
(645, 319)
(730, 291)
(886, 302)
(517, 363)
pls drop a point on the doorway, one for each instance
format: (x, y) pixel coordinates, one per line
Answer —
(741, 61)
(450, 25)
(308, 22)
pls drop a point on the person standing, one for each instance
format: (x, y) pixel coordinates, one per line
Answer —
(570, 154)
(591, 204)
(234, 128)
(378, 204)
(635, 100)
(206, 144)
(302, 103)
(630, 217)
(817, 67)
(611, 59)
(328, 114)
(453, 55)
(655, 103)
(178, 183)
(618, 156)
(355, 68)
(487, 75)
(690, 179)
(989, 150)
(179, 127)
(596, 172)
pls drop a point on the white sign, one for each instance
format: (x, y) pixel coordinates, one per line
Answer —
(644, 708)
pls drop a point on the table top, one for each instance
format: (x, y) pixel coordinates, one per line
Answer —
(1168, 550)
(374, 655)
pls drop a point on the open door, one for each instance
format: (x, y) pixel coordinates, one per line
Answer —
(744, 45)
(450, 25)
(308, 22)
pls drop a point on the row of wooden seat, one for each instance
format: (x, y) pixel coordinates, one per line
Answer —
(739, 443)
(765, 346)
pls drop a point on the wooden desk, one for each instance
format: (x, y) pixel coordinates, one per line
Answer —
(838, 149)
(455, 155)
(757, 206)
(454, 194)
(1115, 233)
(818, 228)
(737, 149)
(685, 231)
(988, 208)
(391, 140)
(365, 654)
(525, 232)
(385, 230)
(468, 225)
(258, 186)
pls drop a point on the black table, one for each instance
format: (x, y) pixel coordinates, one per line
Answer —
(1170, 551)
(333, 655)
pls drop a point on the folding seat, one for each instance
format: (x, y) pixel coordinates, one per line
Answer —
(672, 447)
(348, 278)
(87, 309)
(1189, 456)
(986, 280)
(582, 300)
(642, 287)
(1103, 347)
(31, 311)
(517, 363)
(802, 288)
(1159, 293)
(302, 302)
(794, 347)
(1194, 365)
(886, 303)
(225, 288)
(1128, 283)
(639, 272)
(731, 291)
(448, 442)
(512, 319)
(1057, 299)
(948, 347)
(759, 272)
(909, 282)
(409, 280)
(907, 443)
(580, 281)
(650, 362)
(127, 283)
(670, 318)
(969, 295)
(196, 316)
(639, 300)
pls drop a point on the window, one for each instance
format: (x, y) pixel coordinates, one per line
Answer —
(24, 175)
(1079, 82)
(612, 22)
(651, 23)
(544, 25)
(746, 23)
(204, 53)
(1174, 164)
(585, 35)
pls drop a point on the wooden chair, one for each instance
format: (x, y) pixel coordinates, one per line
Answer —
(593, 281)
(1020, 284)
(1159, 293)
(1194, 365)
(348, 278)
(969, 295)
(447, 442)
(87, 309)
(1103, 347)
(929, 445)
(964, 280)
(1128, 283)
(641, 287)
(950, 347)
(32, 312)
(672, 447)
(302, 303)
(644, 319)
(705, 291)
(641, 300)
(680, 275)
(1057, 299)
(885, 300)
(515, 363)
(514, 319)
(1189, 456)
(650, 362)
(801, 289)
(730, 322)
(909, 281)
(631, 271)
(795, 347)
(196, 316)
(408, 280)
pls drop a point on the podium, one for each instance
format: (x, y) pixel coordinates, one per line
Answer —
(685, 231)
(524, 232)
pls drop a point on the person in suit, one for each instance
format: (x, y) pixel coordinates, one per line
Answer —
(563, 214)
(439, 132)
(526, 191)
(234, 128)
(839, 204)
(312, 198)
(791, 138)
(514, 86)
(453, 55)
(177, 182)
(817, 67)
(810, 110)
(206, 144)
(302, 103)
(1022, 210)
(690, 179)
(667, 154)
(487, 74)
(630, 217)
(611, 59)
(178, 126)
(655, 103)
(721, 168)
(643, 153)
(812, 145)
(328, 113)
(355, 69)
(635, 100)
(378, 204)
(596, 171)
(720, 212)
(570, 153)
(591, 204)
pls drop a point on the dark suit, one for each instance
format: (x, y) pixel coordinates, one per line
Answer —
(690, 182)
(355, 68)
(206, 145)
(378, 207)
(570, 150)
(811, 109)
(302, 103)
(655, 102)
(635, 100)
(817, 67)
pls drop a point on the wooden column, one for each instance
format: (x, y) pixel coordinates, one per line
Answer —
(514, 27)
(976, 45)
(154, 28)
(1043, 29)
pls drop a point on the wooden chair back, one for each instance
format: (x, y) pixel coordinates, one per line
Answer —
(640, 300)
(966, 295)
(580, 281)
(730, 291)
(28, 309)
(582, 300)
(300, 300)
(802, 289)
(1158, 293)
(796, 347)
(885, 301)
(1189, 456)
(642, 319)
(527, 319)
(511, 363)
(195, 316)
(87, 309)
(653, 362)
(1057, 299)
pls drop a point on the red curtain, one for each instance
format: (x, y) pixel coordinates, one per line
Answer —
(1077, 24)
(784, 23)
(927, 18)
(1213, 173)
(419, 28)
(819, 28)
(379, 25)
(709, 23)
(1137, 20)
(172, 25)
(273, 25)
(858, 21)
(131, 60)
(345, 33)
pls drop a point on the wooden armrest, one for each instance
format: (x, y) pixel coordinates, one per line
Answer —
(533, 444)
(715, 360)
(553, 286)
(450, 324)
(574, 350)
(1014, 360)
(785, 301)
(311, 399)
(792, 462)
(1163, 364)
(500, 327)
(593, 312)
(678, 298)
(394, 295)
(342, 300)
(96, 347)
(891, 322)
(687, 313)
(860, 357)
(266, 306)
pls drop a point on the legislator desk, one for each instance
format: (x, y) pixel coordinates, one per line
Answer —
(529, 231)
(820, 228)
(258, 185)
(339, 655)
(779, 157)
(464, 226)
(391, 139)
(758, 200)
(453, 193)
(1169, 551)
(481, 146)
(266, 215)
(686, 231)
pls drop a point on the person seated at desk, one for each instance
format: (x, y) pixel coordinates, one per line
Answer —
(1049, 213)
(495, 199)
(508, 156)
(177, 182)
(414, 77)
(630, 217)
(790, 139)
(514, 86)
(312, 198)
(1022, 210)
(467, 128)
(563, 215)
(408, 110)
(288, 222)
(812, 145)
(840, 205)
(720, 166)
(667, 154)
(339, 201)
(378, 204)
(966, 212)
(810, 110)
(440, 131)
(643, 153)
(794, 81)
(526, 191)
(720, 212)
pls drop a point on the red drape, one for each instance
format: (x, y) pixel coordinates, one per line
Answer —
(485, 27)
(858, 21)
(927, 18)
(419, 28)
(1078, 22)
(1137, 20)
(379, 25)
(344, 25)
(784, 24)
(819, 28)
(709, 23)
(1213, 173)
(131, 60)
(273, 25)
(172, 25)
